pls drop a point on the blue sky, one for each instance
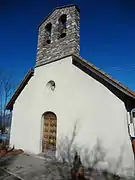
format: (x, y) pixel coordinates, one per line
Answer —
(107, 35)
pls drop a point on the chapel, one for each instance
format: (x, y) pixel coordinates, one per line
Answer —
(64, 89)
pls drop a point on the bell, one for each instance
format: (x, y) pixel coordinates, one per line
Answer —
(63, 32)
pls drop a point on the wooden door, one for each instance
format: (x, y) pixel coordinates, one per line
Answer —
(49, 131)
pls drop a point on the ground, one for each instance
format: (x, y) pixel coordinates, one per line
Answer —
(28, 166)
(25, 166)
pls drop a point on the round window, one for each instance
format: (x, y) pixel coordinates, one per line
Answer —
(51, 85)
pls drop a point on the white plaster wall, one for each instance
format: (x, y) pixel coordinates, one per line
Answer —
(77, 97)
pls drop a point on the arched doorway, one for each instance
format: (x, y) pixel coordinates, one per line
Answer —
(49, 131)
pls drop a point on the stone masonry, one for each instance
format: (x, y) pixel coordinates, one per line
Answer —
(59, 47)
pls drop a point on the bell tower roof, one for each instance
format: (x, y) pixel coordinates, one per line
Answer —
(59, 34)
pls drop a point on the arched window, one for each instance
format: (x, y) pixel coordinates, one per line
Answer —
(49, 131)
(62, 26)
(48, 29)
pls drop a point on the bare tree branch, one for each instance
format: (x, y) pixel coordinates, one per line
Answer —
(7, 87)
(94, 160)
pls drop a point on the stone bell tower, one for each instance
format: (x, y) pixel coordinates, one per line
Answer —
(59, 35)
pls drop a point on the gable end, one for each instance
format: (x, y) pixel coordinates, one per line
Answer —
(121, 91)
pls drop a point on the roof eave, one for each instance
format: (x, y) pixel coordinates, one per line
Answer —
(26, 79)
(105, 76)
